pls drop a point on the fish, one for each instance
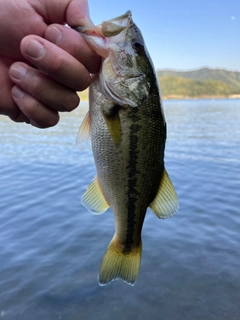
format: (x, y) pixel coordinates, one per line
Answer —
(127, 127)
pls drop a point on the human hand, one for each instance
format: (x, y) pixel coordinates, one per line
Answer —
(42, 62)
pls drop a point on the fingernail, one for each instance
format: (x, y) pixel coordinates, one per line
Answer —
(17, 71)
(35, 49)
(54, 35)
(17, 92)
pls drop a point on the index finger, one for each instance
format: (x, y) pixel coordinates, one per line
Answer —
(72, 42)
(57, 63)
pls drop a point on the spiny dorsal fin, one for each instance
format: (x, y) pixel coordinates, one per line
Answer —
(93, 198)
(165, 203)
(84, 130)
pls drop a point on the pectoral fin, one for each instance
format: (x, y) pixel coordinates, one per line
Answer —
(165, 203)
(113, 123)
(84, 130)
(93, 198)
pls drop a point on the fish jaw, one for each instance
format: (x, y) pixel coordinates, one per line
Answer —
(95, 39)
(98, 36)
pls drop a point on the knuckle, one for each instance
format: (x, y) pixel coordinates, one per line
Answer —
(37, 83)
(29, 107)
(53, 120)
(57, 66)
(83, 81)
(94, 64)
(75, 49)
(47, 123)
(40, 115)
(71, 102)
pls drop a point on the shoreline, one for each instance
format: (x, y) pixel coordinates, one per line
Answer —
(173, 97)
(84, 97)
(179, 97)
(205, 97)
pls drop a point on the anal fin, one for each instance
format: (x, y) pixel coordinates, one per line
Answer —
(165, 203)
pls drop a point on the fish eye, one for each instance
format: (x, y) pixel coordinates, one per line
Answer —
(137, 46)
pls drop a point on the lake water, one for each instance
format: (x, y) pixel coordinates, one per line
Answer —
(51, 246)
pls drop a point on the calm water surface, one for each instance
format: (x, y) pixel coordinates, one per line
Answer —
(51, 247)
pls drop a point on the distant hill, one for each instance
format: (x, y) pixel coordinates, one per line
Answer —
(230, 77)
(204, 82)
(83, 95)
(199, 83)
(174, 87)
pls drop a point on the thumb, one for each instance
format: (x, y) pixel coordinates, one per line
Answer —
(77, 13)
(72, 12)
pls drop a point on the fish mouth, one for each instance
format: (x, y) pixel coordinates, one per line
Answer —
(109, 28)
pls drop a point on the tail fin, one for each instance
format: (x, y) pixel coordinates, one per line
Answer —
(119, 265)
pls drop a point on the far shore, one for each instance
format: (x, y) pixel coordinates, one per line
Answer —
(173, 97)
(84, 97)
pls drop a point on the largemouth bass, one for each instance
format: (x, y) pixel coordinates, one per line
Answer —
(128, 133)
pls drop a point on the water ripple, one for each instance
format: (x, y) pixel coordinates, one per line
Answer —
(51, 246)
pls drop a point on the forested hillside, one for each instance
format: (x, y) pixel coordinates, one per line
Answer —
(203, 82)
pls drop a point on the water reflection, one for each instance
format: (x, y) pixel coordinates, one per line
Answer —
(203, 119)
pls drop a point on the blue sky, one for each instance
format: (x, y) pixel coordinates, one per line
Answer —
(182, 34)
